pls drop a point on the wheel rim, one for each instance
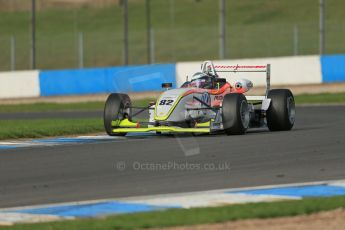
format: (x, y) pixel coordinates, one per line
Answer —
(244, 114)
(291, 109)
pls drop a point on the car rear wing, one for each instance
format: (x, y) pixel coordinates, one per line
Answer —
(210, 68)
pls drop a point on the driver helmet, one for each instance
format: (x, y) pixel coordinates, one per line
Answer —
(201, 80)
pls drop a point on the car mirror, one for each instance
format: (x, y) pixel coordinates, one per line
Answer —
(166, 85)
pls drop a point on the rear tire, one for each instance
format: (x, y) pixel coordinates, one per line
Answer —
(235, 114)
(117, 107)
(281, 113)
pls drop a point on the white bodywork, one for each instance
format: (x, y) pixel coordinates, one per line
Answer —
(184, 104)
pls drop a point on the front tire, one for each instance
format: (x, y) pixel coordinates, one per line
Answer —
(235, 114)
(281, 113)
(117, 108)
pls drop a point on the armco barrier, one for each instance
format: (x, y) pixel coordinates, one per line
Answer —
(106, 80)
(333, 68)
(19, 84)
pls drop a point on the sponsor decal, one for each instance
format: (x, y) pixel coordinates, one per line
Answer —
(205, 97)
(219, 97)
(240, 66)
(166, 102)
(238, 85)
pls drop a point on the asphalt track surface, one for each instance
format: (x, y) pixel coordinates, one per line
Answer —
(314, 150)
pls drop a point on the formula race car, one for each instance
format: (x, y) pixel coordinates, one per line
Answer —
(206, 103)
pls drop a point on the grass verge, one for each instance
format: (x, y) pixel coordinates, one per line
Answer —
(47, 107)
(53, 127)
(179, 217)
(322, 98)
(48, 127)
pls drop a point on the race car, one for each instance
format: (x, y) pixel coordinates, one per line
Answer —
(206, 103)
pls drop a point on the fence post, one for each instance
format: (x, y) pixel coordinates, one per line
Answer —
(81, 49)
(33, 34)
(152, 46)
(322, 27)
(222, 24)
(149, 31)
(172, 28)
(295, 40)
(125, 32)
(13, 53)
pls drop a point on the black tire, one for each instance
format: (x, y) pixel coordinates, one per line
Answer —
(235, 114)
(281, 113)
(114, 109)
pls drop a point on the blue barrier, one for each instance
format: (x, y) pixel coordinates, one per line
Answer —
(333, 68)
(142, 78)
(106, 80)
